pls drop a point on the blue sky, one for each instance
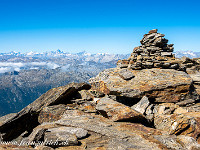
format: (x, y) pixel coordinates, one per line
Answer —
(112, 26)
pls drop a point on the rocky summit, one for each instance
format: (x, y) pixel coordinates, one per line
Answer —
(148, 102)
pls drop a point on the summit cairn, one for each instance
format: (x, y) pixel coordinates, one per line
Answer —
(153, 53)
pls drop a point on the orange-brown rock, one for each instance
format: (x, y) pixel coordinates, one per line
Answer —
(153, 31)
(116, 111)
(164, 85)
(51, 113)
(175, 124)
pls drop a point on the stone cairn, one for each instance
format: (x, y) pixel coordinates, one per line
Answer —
(153, 53)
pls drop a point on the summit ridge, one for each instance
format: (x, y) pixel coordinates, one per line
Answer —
(142, 104)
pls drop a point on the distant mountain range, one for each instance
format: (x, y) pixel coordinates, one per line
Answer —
(25, 76)
(189, 54)
(16, 61)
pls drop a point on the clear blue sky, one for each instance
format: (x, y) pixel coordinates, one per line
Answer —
(113, 26)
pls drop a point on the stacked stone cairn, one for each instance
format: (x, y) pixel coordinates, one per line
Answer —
(153, 53)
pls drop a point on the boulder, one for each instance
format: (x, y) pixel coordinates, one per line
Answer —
(174, 124)
(38, 133)
(89, 107)
(193, 108)
(180, 110)
(85, 95)
(54, 139)
(51, 132)
(169, 141)
(116, 111)
(196, 80)
(79, 132)
(149, 114)
(51, 113)
(60, 95)
(186, 102)
(163, 85)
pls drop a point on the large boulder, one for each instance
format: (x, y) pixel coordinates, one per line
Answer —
(79, 132)
(117, 112)
(162, 85)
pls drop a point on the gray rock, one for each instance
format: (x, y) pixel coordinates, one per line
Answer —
(142, 105)
(126, 74)
(85, 95)
(54, 139)
(149, 112)
(79, 132)
(51, 113)
(195, 77)
(166, 53)
(164, 109)
(174, 66)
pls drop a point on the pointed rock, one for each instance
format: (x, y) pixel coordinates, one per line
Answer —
(142, 105)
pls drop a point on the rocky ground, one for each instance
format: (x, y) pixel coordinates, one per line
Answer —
(133, 106)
